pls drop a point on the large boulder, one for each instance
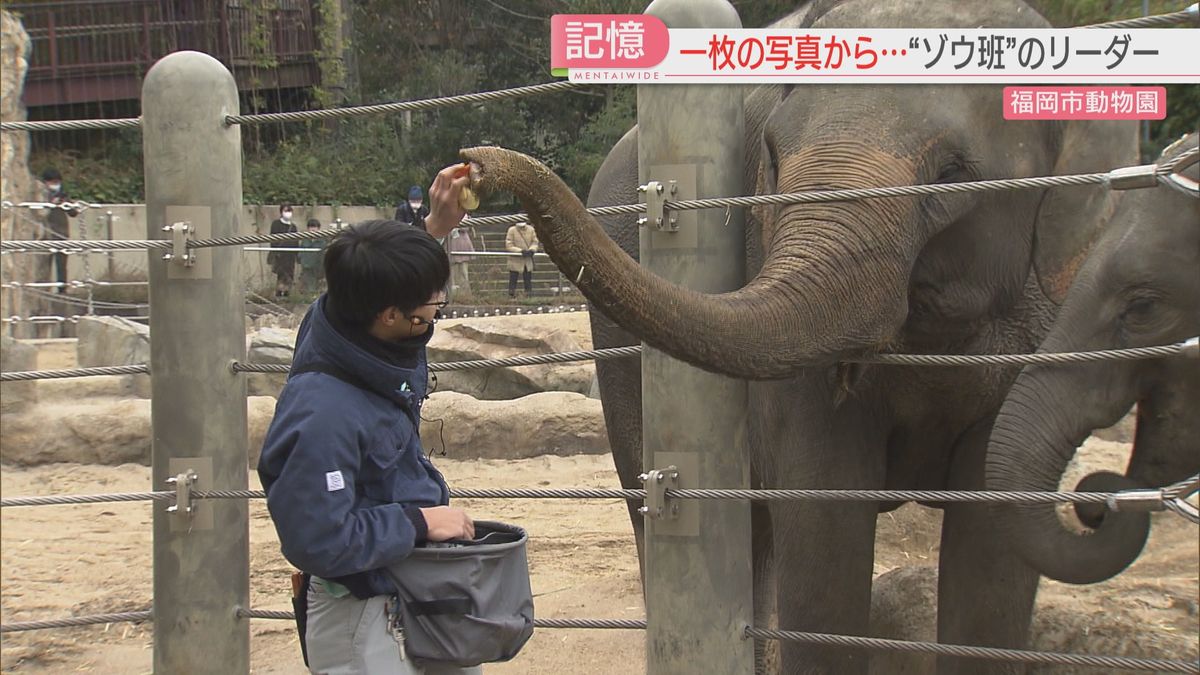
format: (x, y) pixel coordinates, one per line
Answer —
(1135, 616)
(269, 345)
(80, 388)
(904, 607)
(260, 410)
(549, 423)
(501, 338)
(93, 432)
(467, 340)
(16, 355)
(17, 183)
(102, 431)
(111, 341)
(114, 341)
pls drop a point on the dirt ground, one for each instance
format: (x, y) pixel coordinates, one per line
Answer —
(74, 560)
(97, 558)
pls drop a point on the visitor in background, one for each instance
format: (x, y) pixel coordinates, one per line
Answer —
(283, 263)
(521, 239)
(460, 242)
(58, 225)
(311, 272)
(414, 210)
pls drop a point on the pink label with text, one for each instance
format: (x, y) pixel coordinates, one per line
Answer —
(607, 41)
(1085, 103)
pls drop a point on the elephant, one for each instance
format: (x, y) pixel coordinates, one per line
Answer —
(1139, 286)
(979, 272)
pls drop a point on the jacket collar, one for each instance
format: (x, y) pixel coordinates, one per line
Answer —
(389, 369)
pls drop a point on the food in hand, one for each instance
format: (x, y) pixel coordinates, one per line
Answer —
(467, 199)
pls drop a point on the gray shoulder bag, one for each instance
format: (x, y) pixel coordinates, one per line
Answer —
(467, 602)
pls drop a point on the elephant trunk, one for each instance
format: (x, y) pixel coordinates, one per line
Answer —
(833, 284)
(1047, 415)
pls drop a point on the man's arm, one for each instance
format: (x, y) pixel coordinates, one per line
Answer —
(444, 210)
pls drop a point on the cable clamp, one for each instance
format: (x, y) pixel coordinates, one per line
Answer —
(181, 235)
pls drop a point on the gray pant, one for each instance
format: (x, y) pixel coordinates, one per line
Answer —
(348, 636)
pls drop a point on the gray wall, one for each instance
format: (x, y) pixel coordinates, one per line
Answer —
(128, 221)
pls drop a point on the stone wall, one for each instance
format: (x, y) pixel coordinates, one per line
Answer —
(128, 221)
(16, 183)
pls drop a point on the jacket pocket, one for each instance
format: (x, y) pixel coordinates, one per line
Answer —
(386, 470)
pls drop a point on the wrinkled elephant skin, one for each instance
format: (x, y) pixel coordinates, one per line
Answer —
(963, 273)
(1140, 286)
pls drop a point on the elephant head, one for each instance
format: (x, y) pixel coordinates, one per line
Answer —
(848, 278)
(1138, 287)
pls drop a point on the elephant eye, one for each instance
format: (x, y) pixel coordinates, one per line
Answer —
(1139, 310)
(770, 166)
(955, 171)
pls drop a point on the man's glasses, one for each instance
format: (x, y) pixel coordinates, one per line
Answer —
(437, 314)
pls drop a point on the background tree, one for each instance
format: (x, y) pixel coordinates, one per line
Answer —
(409, 49)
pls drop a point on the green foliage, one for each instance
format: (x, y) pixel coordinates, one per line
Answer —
(1183, 100)
(108, 172)
(410, 49)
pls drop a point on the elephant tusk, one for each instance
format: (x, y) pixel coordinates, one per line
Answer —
(580, 275)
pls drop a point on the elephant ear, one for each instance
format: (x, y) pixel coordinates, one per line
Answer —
(1070, 218)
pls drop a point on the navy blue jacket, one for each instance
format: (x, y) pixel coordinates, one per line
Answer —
(342, 459)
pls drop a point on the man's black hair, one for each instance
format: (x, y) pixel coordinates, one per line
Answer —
(51, 174)
(378, 264)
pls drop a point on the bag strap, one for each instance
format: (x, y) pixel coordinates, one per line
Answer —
(439, 607)
(300, 583)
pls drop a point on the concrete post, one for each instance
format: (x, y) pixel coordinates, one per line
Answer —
(698, 580)
(198, 408)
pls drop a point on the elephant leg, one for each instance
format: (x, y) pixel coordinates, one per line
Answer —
(766, 652)
(620, 383)
(985, 591)
(824, 551)
(825, 560)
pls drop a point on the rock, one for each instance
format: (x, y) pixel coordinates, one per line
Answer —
(550, 423)
(17, 183)
(269, 345)
(103, 432)
(111, 341)
(96, 386)
(904, 607)
(500, 338)
(114, 341)
(56, 353)
(16, 355)
(259, 412)
(509, 333)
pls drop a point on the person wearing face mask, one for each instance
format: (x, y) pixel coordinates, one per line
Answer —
(58, 225)
(413, 212)
(283, 263)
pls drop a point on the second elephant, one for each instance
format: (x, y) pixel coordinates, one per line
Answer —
(1139, 287)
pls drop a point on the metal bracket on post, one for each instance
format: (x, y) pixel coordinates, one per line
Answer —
(657, 482)
(181, 234)
(183, 493)
(655, 194)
